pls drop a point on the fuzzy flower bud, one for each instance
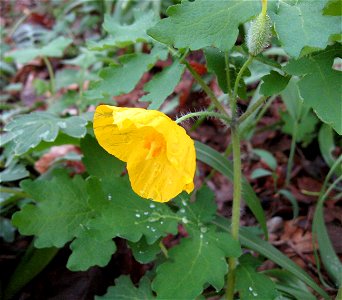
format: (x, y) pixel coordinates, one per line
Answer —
(259, 34)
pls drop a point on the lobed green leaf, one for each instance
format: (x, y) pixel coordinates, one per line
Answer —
(309, 27)
(125, 289)
(54, 48)
(213, 23)
(320, 81)
(29, 130)
(162, 85)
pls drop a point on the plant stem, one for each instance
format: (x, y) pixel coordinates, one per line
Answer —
(51, 74)
(204, 114)
(264, 7)
(207, 89)
(235, 226)
(253, 108)
(292, 152)
(233, 102)
(236, 207)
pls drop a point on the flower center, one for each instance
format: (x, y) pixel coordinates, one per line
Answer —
(155, 144)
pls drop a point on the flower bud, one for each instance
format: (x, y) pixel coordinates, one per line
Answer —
(259, 34)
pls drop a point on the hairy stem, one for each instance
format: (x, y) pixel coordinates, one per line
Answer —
(207, 89)
(235, 226)
(204, 114)
(236, 207)
(233, 100)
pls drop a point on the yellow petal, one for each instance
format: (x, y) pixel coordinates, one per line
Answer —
(160, 156)
(119, 140)
(157, 179)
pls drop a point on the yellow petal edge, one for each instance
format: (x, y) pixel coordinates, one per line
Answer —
(160, 156)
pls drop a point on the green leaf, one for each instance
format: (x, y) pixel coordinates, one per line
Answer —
(7, 231)
(41, 86)
(190, 264)
(216, 64)
(29, 130)
(143, 252)
(290, 285)
(121, 79)
(125, 289)
(98, 162)
(292, 99)
(66, 77)
(13, 172)
(54, 48)
(32, 263)
(251, 241)
(61, 210)
(131, 217)
(309, 27)
(299, 120)
(319, 82)
(267, 157)
(204, 23)
(162, 85)
(253, 285)
(306, 126)
(125, 35)
(202, 210)
(327, 145)
(328, 255)
(273, 83)
(185, 272)
(257, 173)
(289, 196)
(88, 250)
(217, 161)
(333, 8)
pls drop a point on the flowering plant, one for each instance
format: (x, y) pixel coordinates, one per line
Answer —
(132, 181)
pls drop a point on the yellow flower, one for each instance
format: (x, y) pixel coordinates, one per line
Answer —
(160, 156)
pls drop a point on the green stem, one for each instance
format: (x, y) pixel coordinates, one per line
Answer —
(236, 207)
(51, 74)
(253, 108)
(264, 7)
(235, 226)
(207, 89)
(204, 114)
(292, 152)
(331, 187)
(233, 102)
